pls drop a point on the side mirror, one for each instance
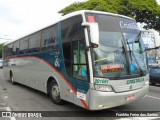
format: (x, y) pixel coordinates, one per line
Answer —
(94, 32)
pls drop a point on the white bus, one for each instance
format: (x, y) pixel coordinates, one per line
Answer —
(151, 39)
(96, 60)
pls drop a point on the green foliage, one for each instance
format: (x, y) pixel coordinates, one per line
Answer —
(147, 11)
(1, 47)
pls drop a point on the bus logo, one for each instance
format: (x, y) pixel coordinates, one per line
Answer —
(101, 81)
(57, 64)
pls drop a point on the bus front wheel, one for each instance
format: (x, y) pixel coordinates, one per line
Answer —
(54, 93)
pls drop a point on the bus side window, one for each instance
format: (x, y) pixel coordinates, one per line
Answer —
(34, 42)
(49, 38)
(16, 48)
(9, 50)
(79, 57)
(24, 46)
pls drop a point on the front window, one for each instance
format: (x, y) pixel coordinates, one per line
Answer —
(115, 57)
(135, 46)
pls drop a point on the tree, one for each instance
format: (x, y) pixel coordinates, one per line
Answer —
(147, 11)
(1, 47)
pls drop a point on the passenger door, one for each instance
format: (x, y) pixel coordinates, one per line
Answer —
(75, 60)
(79, 69)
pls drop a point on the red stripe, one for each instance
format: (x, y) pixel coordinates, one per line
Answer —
(82, 101)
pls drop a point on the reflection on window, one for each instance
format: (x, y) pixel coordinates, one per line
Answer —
(49, 38)
(80, 72)
(135, 47)
(24, 45)
(8, 50)
(34, 42)
(79, 60)
(111, 38)
(79, 53)
(16, 48)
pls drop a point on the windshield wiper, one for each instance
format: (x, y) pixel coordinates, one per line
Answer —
(132, 54)
(138, 36)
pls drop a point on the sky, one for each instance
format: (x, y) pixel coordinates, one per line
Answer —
(21, 17)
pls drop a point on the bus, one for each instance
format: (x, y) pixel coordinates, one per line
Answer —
(95, 60)
(151, 39)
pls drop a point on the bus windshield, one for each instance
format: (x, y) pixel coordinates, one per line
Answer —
(120, 53)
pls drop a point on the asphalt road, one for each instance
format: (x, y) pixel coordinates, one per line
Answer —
(21, 98)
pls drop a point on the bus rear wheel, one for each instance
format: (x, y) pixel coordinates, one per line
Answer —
(54, 93)
(12, 78)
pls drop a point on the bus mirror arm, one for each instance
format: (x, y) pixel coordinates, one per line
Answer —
(87, 48)
(91, 46)
(152, 48)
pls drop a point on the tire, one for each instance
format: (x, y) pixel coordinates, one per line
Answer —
(54, 93)
(152, 83)
(12, 78)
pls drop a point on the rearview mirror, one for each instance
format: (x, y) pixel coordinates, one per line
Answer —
(94, 32)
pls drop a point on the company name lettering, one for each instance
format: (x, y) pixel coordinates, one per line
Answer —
(101, 81)
(135, 81)
(128, 25)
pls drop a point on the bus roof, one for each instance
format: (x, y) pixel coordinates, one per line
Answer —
(71, 15)
(92, 11)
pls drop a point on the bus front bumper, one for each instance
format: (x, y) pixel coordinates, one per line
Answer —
(103, 100)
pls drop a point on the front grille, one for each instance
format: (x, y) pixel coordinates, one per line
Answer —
(130, 87)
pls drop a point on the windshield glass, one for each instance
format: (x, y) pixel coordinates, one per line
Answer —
(135, 46)
(115, 57)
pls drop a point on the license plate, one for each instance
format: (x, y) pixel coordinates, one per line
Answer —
(131, 97)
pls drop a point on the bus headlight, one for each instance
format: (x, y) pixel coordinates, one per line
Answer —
(105, 88)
